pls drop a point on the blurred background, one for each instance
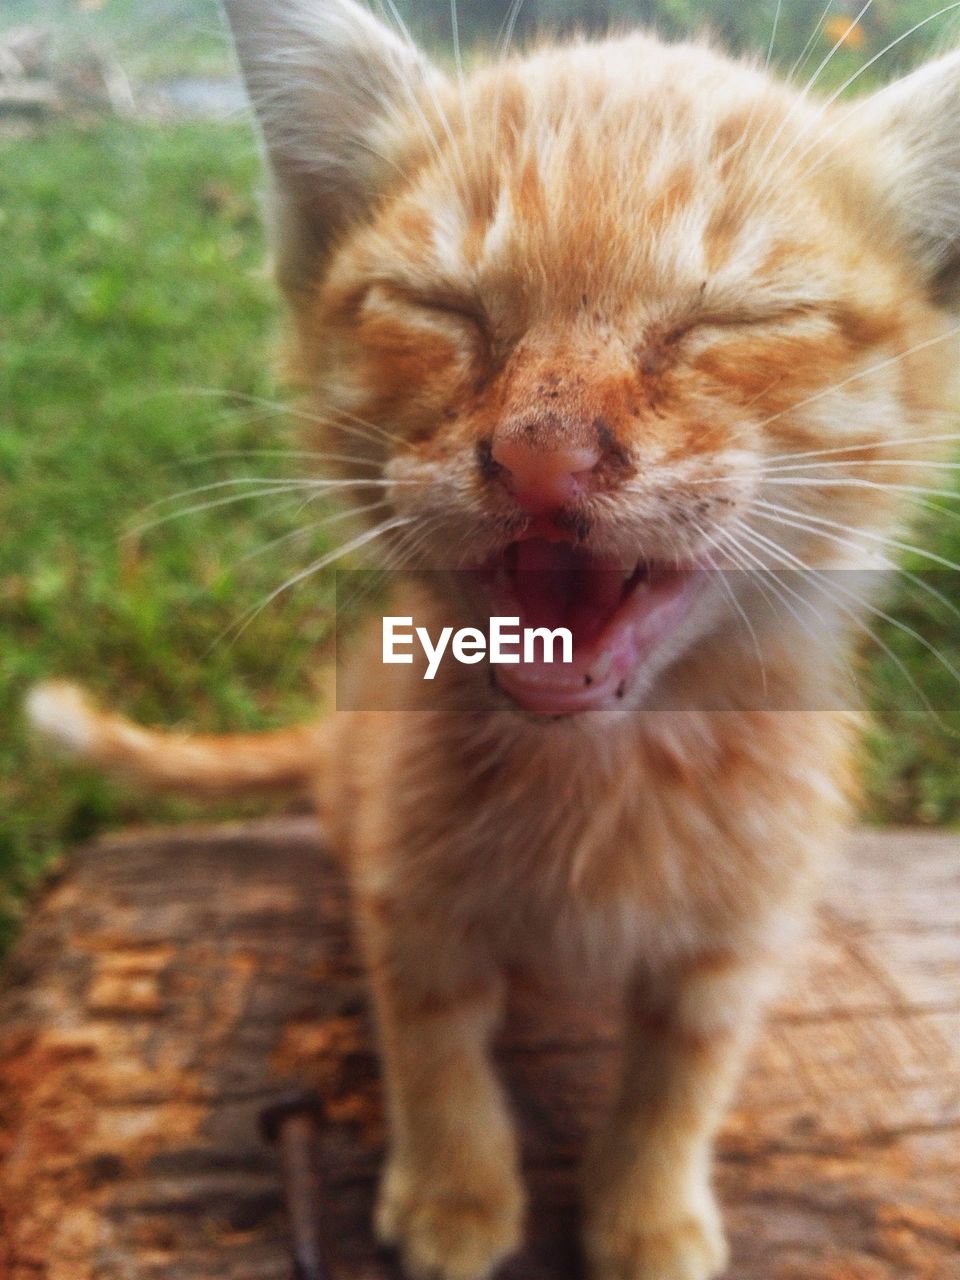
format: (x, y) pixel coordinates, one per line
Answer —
(138, 341)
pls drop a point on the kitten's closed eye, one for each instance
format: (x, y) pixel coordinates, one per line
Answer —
(459, 307)
(439, 301)
(453, 324)
(746, 317)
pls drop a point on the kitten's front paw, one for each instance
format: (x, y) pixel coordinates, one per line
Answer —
(691, 1248)
(449, 1232)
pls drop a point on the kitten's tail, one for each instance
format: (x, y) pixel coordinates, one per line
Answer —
(200, 764)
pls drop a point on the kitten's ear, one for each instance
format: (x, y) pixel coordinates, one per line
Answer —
(914, 129)
(326, 80)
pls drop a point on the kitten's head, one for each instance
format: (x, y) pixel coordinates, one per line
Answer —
(595, 314)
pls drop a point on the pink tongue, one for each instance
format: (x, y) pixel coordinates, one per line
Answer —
(552, 586)
(558, 587)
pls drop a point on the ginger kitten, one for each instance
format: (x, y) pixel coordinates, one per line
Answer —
(614, 327)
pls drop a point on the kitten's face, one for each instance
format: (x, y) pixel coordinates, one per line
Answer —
(613, 293)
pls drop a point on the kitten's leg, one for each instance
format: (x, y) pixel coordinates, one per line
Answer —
(651, 1214)
(450, 1197)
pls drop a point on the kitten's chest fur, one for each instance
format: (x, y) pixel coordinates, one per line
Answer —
(580, 856)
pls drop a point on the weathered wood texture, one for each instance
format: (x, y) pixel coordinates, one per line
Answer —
(171, 984)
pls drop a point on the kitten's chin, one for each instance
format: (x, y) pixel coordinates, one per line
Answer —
(621, 621)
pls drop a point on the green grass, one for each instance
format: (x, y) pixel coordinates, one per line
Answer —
(132, 278)
(131, 285)
(911, 752)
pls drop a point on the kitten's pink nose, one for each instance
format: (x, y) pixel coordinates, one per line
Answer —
(544, 480)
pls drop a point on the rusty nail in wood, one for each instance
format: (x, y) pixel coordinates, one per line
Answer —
(290, 1124)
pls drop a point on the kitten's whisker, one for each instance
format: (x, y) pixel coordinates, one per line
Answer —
(227, 394)
(293, 482)
(748, 404)
(399, 553)
(838, 44)
(821, 140)
(895, 622)
(800, 522)
(331, 418)
(952, 437)
(370, 578)
(363, 144)
(277, 482)
(801, 470)
(854, 482)
(811, 41)
(229, 416)
(822, 523)
(773, 35)
(269, 408)
(139, 529)
(950, 494)
(838, 93)
(317, 488)
(828, 153)
(932, 591)
(782, 161)
(864, 603)
(390, 12)
(461, 79)
(788, 471)
(410, 543)
(863, 373)
(936, 509)
(434, 97)
(309, 455)
(504, 40)
(317, 566)
(738, 607)
(767, 578)
(359, 592)
(507, 28)
(789, 560)
(801, 101)
(340, 419)
(350, 513)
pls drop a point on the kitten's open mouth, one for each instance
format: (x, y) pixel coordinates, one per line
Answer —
(617, 618)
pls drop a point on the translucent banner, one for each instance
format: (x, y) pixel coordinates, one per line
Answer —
(558, 644)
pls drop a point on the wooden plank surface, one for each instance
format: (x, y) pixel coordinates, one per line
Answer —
(172, 983)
